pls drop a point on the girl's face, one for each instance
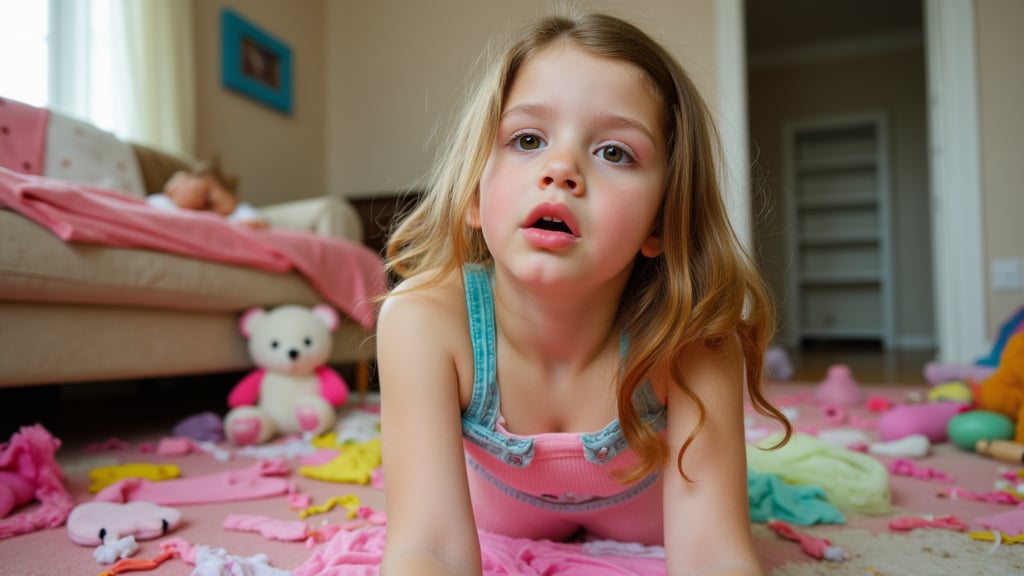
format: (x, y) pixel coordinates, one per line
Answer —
(576, 174)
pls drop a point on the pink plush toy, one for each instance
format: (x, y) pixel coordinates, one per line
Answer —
(293, 391)
(839, 388)
(92, 523)
(29, 472)
(15, 491)
(931, 420)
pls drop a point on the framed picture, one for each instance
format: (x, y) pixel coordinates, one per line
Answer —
(255, 63)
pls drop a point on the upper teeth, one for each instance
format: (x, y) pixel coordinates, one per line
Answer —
(550, 219)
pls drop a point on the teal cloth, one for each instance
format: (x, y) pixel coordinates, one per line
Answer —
(852, 481)
(771, 498)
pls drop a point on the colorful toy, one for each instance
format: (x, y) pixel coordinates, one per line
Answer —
(1003, 391)
(293, 391)
(955, 391)
(965, 430)
(30, 473)
(839, 388)
(1004, 450)
(93, 523)
(930, 419)
(1012, 326)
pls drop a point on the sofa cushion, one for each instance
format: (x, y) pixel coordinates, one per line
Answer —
(80, 152)
(36, 266)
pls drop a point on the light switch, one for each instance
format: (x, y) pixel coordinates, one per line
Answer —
(1007, 274)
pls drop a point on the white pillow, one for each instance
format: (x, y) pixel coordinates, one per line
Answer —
(82, 153)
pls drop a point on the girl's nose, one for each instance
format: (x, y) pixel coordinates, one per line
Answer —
(561, 171)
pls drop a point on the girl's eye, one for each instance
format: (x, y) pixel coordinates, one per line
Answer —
(527, 141)
(614, 154)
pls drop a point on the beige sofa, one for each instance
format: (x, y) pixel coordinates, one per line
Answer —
(78, 312)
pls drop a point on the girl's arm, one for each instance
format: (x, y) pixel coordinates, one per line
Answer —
(430, 520)
(707, 521)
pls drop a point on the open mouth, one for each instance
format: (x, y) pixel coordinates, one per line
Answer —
(552, 217)
(552, 224)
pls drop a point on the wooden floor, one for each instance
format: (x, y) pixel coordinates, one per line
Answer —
(869, 365)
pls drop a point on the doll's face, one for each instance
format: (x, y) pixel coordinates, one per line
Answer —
(189, 192)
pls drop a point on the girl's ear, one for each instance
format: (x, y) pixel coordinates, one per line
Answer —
(473, 212)
(651, 247)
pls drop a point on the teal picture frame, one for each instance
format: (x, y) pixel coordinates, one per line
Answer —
(254, 63)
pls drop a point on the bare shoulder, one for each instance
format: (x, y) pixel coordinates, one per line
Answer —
(419, 305)
(424, 323)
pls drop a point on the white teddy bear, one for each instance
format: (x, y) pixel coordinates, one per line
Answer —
(292, 391)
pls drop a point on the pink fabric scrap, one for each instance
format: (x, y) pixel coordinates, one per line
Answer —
(943, 522)
(299, 501)
(269, 528)
(347, 274)
(1010, 522)
(906, 467)
(359, 552)
(30, 455)
(108, 445)
(820, 548)
(172, 446)
(22, 136)
(956, 493)
(262, 480)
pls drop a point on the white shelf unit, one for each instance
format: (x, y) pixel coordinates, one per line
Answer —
(838, 230)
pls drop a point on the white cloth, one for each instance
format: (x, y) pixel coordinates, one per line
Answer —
(79, 152)
(244, 212)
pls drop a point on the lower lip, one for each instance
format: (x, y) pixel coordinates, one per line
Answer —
(548, 239)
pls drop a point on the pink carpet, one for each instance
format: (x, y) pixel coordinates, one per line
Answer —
(871, 547)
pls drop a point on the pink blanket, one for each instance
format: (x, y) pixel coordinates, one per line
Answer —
(347, 274)
(358, 553)
(22, 136)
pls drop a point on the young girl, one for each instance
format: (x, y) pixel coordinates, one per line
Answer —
(566, 354)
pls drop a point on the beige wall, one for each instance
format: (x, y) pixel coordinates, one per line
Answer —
(1001, 101)
(372, 80)
(277, 157)
(397, 68)
(891, 83)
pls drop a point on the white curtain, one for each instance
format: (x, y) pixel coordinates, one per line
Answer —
(128, 67)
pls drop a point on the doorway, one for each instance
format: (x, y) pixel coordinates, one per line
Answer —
(809, 62)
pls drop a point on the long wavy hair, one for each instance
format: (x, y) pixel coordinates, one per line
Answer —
(703, 288)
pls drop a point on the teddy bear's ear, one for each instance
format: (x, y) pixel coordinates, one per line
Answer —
(327, 315)
(249, 320)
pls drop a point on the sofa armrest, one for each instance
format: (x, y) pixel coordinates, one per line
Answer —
(326, 215)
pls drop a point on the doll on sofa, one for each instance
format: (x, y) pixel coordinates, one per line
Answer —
(206, 187)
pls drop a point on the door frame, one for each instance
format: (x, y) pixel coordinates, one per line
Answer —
(954, 157)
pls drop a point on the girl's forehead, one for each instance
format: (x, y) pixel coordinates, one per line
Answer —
(563, 63)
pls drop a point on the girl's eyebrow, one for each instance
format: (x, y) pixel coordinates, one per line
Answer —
(608, 119)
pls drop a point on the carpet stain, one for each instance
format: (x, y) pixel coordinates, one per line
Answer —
(918, 553)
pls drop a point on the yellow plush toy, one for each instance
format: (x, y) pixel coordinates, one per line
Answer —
(1003, 391)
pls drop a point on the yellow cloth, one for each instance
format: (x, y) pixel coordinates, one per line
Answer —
(106, 475)
(850, 480)
(349, 502)
(355, 464)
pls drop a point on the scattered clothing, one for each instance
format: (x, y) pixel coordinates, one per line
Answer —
(29, 455)
(359, 552)
(355, 464)
(852, 481)
(772, 499)
(104, 476)
(265, 479)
